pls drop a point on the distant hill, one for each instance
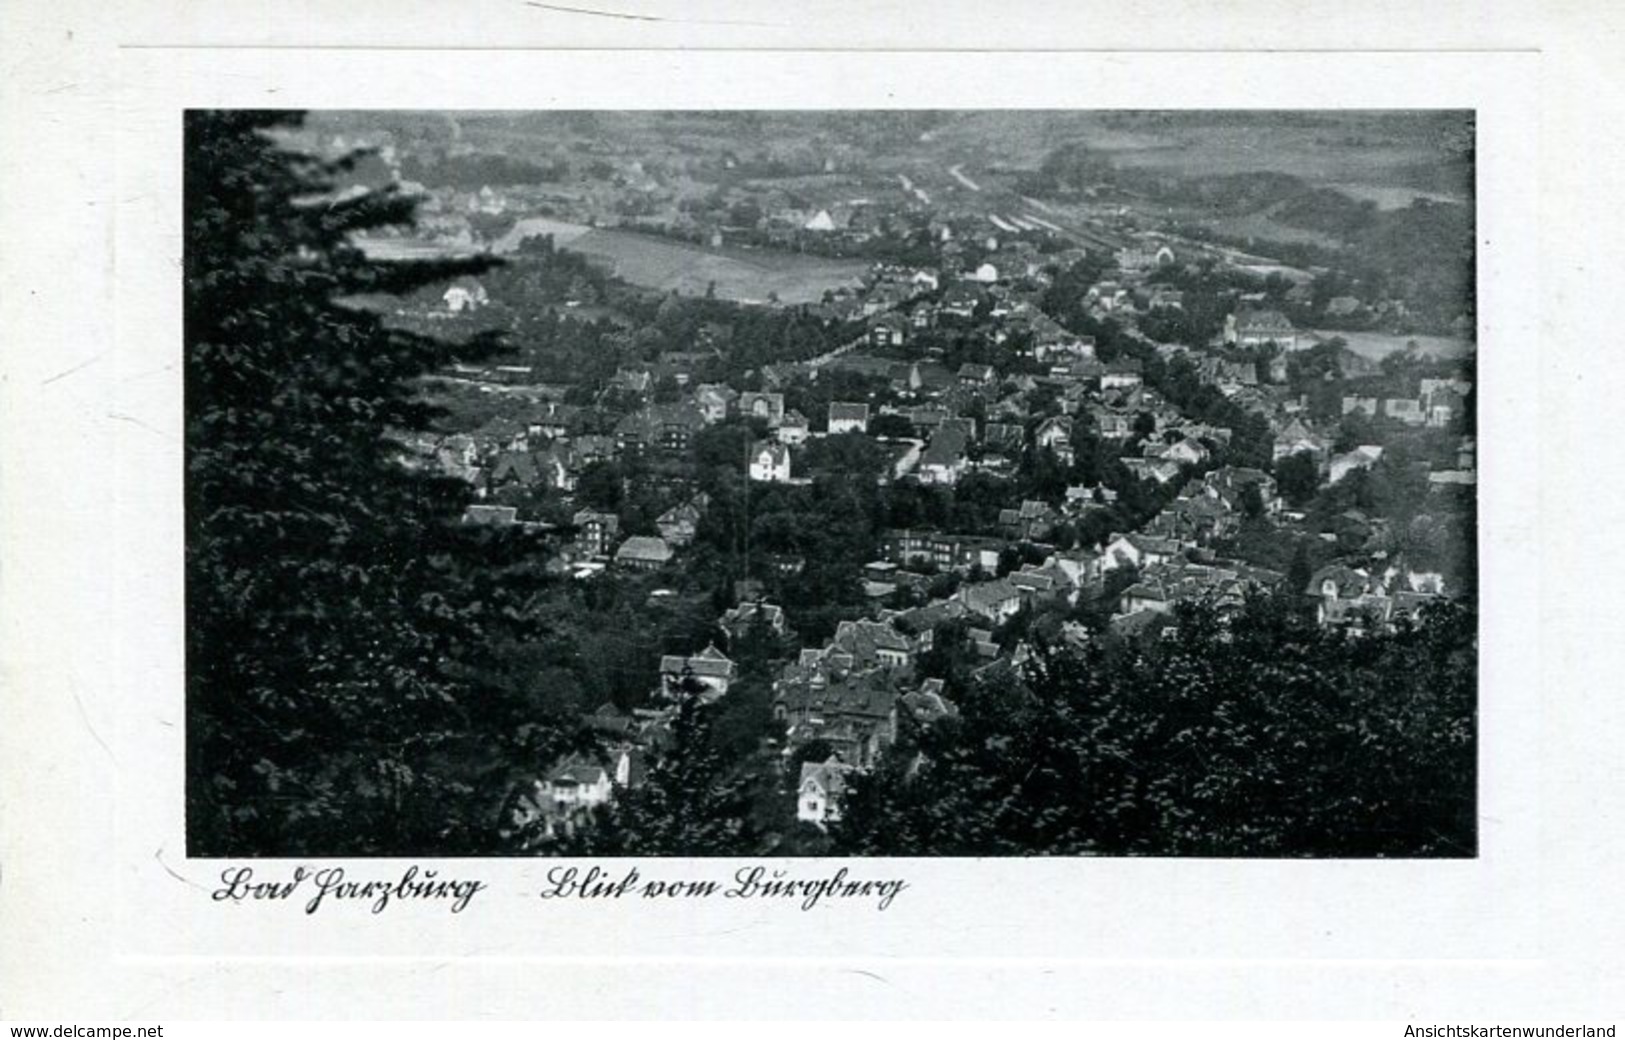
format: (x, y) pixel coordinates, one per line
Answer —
(1380, 148)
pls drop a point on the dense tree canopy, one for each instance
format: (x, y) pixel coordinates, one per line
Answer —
(332, 696)
(1267, 738)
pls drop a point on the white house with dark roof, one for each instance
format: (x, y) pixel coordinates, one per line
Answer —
(848, 418)
(961, 300)
(872, 644)
(770, 462)
(1187, 452)
(761, 405)
(713, 400)
(710, 668)
(977, 376)
(793, 429)
(997, 601)
(575, 783)
(1363, 457)
(1137, 550)
(818, 796)
(888, 330)
(1054, 432)
(1124, 375)
(465, 294)
(737, 622)
(943, 461)
(679, 523)
(1254, 327)
(643, 553)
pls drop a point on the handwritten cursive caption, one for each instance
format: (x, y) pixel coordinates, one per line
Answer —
(328, 886)
(747, 883)
(319, 887)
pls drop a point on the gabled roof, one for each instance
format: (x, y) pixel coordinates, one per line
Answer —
(860, 636)
(709, 663)
(686, 513)
(946, 448)
(928, 617)
(1037, 580)
(1350, 583)
(516, 464)
(777, 453)
(1140, 622)
(1148, 543)
(988, 595)
(576, 771)
(927, 704)
(644, 548)
(829, 776)
(500, 516)
(1146, 590)
(1262, 320)
(865, 695)
(933, 375)
(748, 613)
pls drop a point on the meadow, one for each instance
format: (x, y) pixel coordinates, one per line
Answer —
(1378, 345)
(744, 275)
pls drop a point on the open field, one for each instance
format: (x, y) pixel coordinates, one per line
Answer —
(746, 275)
(1378, 345)
(405, 248)
(563, 233)
(1235, 150)
(1391, 197)
(1260, 225)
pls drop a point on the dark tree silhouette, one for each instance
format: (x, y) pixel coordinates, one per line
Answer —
(334, 627)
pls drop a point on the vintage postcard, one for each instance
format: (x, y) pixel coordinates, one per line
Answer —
(655, 515)
(838, 483)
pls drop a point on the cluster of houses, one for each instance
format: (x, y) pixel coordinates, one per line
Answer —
(563, 796)
(850, 695)
(1363, 600)
(1438, 403)
(851, 699)
(1252, 326)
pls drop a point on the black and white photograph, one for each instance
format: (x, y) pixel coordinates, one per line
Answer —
(838, 483)
(518, 511)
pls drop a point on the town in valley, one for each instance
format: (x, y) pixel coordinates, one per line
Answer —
(821, 429)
